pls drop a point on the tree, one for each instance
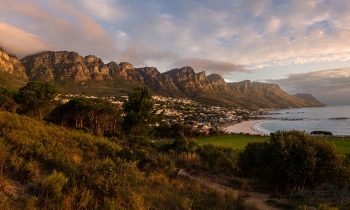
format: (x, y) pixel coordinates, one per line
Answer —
(38, 97)
(7, 99)
(139, 116)
(96, 114)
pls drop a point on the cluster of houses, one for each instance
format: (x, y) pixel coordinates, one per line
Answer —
(200, 117)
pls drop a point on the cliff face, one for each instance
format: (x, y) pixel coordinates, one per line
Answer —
(89, 75)
(189, 82)
(11, 65)
(58, 66)
(218, 83)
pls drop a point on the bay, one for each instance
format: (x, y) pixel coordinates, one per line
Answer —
(335, 119)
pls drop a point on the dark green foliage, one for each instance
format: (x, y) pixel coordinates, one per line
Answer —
(183, 144)
(38, 97)
(291, 159)
(139, 114)
(98, 115)
(326, 133)
(217, 157)
(7, 99)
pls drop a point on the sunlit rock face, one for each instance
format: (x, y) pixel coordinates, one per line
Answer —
(10, 64)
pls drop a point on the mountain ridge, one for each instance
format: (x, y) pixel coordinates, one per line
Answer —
(307, 96)
(89, 75)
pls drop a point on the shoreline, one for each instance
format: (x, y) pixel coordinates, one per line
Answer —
(248, 127)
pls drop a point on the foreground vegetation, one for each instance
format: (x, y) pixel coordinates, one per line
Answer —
(90, 154)
(49, 167)
(236, 141)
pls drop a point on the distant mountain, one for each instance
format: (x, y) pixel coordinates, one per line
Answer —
(306, 96)
(89, 75)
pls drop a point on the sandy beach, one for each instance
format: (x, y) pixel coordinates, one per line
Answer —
(246, 127)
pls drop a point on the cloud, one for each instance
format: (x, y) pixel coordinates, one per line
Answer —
(223, 34)
(20, 43)
(210, 66)
(143, 56)
(59, 24)
(328, 86)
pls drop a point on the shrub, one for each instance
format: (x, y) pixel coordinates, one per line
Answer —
(290, 159)
(218, 157)
(52, 185)
(120, 181)
(326, 133)
(183, 144)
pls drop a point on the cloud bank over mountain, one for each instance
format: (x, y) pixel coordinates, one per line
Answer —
(228, 35)
(328, 86)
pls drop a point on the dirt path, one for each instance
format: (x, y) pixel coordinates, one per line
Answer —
(255, 198)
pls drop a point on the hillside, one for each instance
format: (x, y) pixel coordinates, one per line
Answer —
(49, 167)
(89, 75)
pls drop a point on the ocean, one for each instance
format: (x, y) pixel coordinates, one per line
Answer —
(335, 119)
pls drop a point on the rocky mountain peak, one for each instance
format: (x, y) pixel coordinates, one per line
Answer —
(218, 83)
(93, 59)
(125, 66)
(11, 65)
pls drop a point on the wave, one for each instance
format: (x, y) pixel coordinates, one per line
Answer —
(257, 128)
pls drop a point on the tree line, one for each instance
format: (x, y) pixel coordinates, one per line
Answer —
(40, 100)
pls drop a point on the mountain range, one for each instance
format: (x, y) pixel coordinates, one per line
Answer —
(89, 75)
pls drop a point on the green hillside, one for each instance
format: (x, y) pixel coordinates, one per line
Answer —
(44, 166)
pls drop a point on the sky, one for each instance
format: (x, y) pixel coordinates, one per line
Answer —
(301, 45)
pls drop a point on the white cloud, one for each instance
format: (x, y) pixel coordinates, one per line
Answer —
(20, 43)
(59, 23)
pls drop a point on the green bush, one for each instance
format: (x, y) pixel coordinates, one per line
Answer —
(52, 185)
(291, 159)
(218, 157)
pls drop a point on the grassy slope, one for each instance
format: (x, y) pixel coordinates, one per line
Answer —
(44, 166)
(342, 144)
(234, 141)
(239, 141)
(11, 81)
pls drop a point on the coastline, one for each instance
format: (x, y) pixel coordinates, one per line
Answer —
(248, 127)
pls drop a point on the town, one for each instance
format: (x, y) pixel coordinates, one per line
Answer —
(201, 118)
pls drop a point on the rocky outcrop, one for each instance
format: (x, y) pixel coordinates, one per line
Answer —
(203, 81)
(190, 83)
(63, 65)
(218, 83)
(11, 65)
(159, 83)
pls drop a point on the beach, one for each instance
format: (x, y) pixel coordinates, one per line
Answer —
(246, 127)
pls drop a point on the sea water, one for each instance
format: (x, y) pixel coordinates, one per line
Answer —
(335, 119)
